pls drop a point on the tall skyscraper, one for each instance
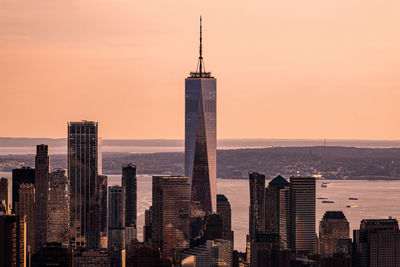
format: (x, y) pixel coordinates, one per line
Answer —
(116, 217)
(377, 243)
(26, 207)
(42, 171)
(302, 194)
(171, 213)
(24, 175)
(4, 192)
(225, 211)
(201, 134)
(12, 240)
(333, 228)
(129, 183)
(58, 208)
(83, 180)
(272, 203)
(257, 204)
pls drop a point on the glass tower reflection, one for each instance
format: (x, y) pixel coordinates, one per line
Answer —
(200, 135)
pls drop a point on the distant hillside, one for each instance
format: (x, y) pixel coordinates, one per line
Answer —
(222, 143)
(330, 162)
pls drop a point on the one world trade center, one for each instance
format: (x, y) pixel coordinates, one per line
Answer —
(201, 135)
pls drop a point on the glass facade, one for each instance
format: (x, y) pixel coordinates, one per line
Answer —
(42, 171)
(58, 208)
(82, 171)
(201, 138)
(302, 193)
(171, 213)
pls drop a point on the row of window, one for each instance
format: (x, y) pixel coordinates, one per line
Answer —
(209, 105)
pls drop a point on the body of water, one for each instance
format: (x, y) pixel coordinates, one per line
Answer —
(376, 199)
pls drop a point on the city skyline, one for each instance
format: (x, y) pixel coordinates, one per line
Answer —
(277, 64)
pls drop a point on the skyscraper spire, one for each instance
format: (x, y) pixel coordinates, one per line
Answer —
(201, 71)
(201, 48)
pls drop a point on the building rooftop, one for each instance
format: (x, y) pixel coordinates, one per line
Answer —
(279, 180)
(221, 198)
(334, 215)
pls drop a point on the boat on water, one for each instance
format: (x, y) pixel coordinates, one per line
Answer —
(351, 206)
(324, 184)
(353, 198)
(327, 201)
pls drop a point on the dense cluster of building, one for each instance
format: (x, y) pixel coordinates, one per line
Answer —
(73, 218)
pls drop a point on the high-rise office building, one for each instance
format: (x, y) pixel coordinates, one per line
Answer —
(26, 207)
(277, 209)
(4, 192)
(225, 211)
(12, 240)
(302, 195)
(103, 200)
(171, 213)
(200, 134)
(272, 203)
(116, 217)
(24, 175)
(58, 208)
(85, 218)
(129, 183)
(377, 243)
(148, 226)
(284, 217)
(42, 171)
(332, 228)
(257, 204)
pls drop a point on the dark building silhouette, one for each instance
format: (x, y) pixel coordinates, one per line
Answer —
(147, 228)
(4, 193)
(265, 250)
(333, 228)
(129, 183)
(26, 207)
(24, 175)
(116, 217)
(277, 209)
(257, 204)
(377, 243)
(12, 240)
(139, 255)
(336, 260)
(302, 195)
(103, 200)
(213, 226)
(53, 255)
(83, 153)
(171, 213)
(225, 211)
(91, 258)
(201, 135)
(42, 171)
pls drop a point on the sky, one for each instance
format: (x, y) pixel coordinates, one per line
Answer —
(284, 69)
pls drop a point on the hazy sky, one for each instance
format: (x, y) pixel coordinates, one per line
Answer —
(284, 69)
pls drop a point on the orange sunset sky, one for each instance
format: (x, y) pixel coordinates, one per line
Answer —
(285, 69)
